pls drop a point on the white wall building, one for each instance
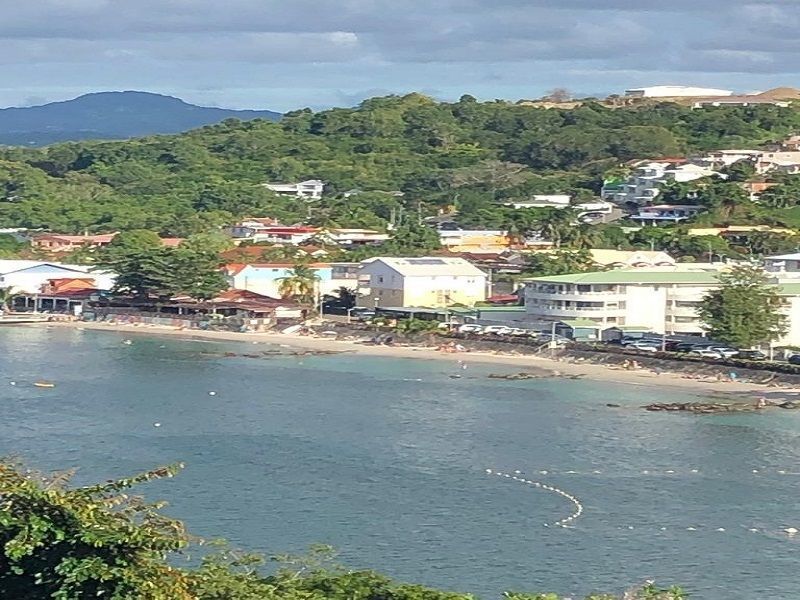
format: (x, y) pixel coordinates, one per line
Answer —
(644, 185)
(783, 266)
(663, 301)
(562, 201)
(432, 282)
(311, 189)
(28, 276)
(674, 91)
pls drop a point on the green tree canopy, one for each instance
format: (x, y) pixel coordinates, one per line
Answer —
(745, 311)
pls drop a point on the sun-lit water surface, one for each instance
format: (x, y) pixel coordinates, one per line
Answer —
(386, 460)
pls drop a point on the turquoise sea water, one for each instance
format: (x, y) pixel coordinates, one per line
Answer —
(385, 459)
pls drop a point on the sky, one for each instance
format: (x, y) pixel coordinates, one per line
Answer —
(287, 54)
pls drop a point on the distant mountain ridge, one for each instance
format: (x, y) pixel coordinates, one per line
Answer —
(111, 115)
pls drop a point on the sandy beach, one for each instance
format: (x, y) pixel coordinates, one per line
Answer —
(590, 371)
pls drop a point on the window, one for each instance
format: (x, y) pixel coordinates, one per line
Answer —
(380, 278)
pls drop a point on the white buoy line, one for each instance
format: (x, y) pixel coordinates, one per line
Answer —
(790, 532)
(566, 521)
(662, 471)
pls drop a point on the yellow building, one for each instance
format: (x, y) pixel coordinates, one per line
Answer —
(434, 282)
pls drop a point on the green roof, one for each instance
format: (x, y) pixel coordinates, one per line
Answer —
(789, 289)
(632, 277)
(575, 323)
(631, 327)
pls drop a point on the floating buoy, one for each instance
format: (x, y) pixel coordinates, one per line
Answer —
(753, 530)
(755, 470)
(12, 383)
(212, 393)
(720, 529)
(127, 342)
(489, 471)
(790, 530)
(44, 384)
(691, 529)
(156, 424)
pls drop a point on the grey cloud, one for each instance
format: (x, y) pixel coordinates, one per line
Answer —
(342, 48)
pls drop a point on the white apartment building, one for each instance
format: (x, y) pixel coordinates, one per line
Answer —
(674, 91)
(644, 185)
(433, 282)
(310, 189)
(663, 301)
(660, 300)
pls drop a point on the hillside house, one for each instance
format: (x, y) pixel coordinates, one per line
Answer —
(310, 189)
(432, 282)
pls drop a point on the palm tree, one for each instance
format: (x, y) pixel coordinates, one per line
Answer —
(556, 223)
(7, 296)
(300, 284)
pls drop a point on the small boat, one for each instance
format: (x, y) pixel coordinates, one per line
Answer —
(44, 384)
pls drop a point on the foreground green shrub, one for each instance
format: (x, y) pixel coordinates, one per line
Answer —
(73, 543)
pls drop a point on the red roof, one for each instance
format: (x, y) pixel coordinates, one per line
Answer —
(503, 299)
(235, 268)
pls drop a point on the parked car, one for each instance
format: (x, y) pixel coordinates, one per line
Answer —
(519, 332)
(470, 328)
(646, 345)
(750, 355)
(794, 359)
(689, 346)
(725, 351)
(705, 353)
(363, 315)
(642, 347)
(496, 330)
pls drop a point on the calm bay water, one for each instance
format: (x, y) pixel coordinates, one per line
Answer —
(385, 460)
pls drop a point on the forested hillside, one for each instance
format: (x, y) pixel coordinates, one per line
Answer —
(467, 154)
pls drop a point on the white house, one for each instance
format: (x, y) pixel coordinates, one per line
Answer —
(353, 237)
(666, 213)
(310, 189)
(561, 201)
(674, 91)
(28, 276)
(266, 278)
(433, 282)
(644, 185)
(783, 265)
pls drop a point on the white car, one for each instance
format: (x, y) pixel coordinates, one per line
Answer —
(518, 331)
(497, 330)
(645, 346)
(725, 351)
(706, 353)
(470, 328)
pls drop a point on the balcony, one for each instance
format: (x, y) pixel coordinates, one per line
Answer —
(574, 296)
(591, 312)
